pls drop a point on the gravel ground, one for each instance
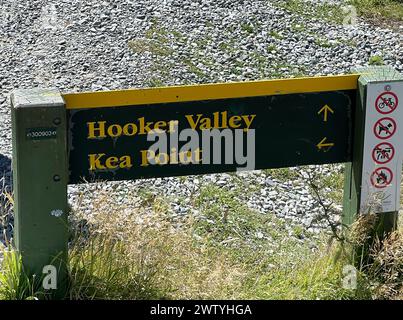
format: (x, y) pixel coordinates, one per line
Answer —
(102, 45)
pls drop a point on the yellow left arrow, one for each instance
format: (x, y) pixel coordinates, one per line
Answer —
(326, 109)
(324, 144)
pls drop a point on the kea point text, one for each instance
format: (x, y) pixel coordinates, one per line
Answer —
(202, 141)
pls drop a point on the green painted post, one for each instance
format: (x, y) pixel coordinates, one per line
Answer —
(40, 174)
(353, 185)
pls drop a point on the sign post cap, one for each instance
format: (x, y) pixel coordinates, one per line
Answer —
(30, 98)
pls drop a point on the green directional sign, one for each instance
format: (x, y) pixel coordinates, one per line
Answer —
(183, 130)
(294, 129)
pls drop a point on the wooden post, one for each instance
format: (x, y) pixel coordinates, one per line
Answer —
(374, 110)
(40, 187)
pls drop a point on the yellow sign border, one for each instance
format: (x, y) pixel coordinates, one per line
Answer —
(133, 97)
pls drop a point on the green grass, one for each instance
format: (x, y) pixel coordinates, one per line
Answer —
(322, 42)
(247, 28)
(325, 11)
(275, 34)
(282, 174)
(317, 276)
(233, 252)
(271, 47)
(335, 183)
(194, 69)
(150, 259)
(298, 27)
(381, 9)
(157, 48)
(156, 40)
(154, 82)
(227, 221)
(14, 283)
(376, 61)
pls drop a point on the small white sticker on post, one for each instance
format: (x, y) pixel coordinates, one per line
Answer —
(56, 213)
(383, 144)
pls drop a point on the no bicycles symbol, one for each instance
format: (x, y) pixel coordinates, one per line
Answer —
(386, 102)
(381, 177)
(383, 153)
(385, 128)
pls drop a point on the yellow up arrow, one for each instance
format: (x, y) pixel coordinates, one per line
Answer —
(323, 144)
(325, 111)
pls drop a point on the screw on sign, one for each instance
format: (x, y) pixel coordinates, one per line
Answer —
(385, 128)
(382, 177)
(386, 102)
(383, 153)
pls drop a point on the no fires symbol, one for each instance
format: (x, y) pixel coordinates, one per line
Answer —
(381, 177)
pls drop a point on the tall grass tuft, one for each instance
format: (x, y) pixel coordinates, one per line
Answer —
(135, 254)
(126, 249)
(386, 271)
(379, 261)
(14, 283)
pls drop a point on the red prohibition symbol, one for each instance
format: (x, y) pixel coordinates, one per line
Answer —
(386, 102)
(385, 128)
(382, 177)
(383, 153)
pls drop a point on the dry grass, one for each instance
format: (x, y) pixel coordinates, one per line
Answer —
(379, 261)
(386, 271)
(128, 249)
(381, 10)
(139, 255)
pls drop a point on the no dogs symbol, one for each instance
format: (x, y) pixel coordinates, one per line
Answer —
(385, 128)
(381, 177)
